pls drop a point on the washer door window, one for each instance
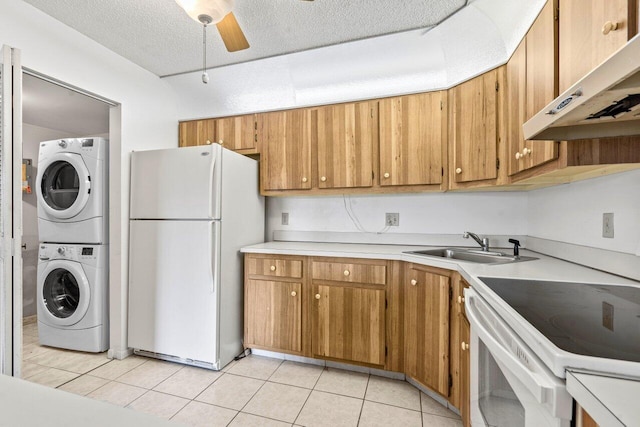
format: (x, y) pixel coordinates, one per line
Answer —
(64, 185)
(65, 293)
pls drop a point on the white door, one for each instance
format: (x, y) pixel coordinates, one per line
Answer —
(10, 211)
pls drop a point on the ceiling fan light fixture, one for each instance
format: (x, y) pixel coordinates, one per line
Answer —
(198, 10)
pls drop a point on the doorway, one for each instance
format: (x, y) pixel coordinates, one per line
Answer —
(50, 112)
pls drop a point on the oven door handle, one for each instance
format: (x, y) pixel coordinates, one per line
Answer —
(536, 382)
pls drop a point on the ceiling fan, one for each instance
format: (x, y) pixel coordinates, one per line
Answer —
(216, 12)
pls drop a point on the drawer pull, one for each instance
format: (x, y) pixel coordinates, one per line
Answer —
(387, 175)
(464, 346)
(293, 293)
(317, 296)
(304, 179)
(458, 171)
(323, 178)
(347, 272)
(518, 156)
(272, 268)
(414, 282)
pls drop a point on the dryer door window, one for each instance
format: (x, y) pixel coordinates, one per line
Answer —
(60, 185)
(61, 293)
(63, 185)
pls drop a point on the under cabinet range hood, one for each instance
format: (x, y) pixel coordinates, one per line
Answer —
(604, 103)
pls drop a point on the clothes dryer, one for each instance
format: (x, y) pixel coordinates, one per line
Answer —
(72, 190)
(72, 296)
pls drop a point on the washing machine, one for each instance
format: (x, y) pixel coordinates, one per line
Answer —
(72, 296)
(72, 191)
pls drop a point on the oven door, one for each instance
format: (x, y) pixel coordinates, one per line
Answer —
(510, 386)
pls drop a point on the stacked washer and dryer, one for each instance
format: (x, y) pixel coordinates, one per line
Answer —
(73, 271)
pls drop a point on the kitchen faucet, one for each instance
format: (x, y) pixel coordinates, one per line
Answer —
(484, 242)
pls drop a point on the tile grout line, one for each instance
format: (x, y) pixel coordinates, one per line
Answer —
(307, 399)
(364, 398)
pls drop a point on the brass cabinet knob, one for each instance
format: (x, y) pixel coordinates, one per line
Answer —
(526, 151)
(221, 142)
(608, 27)
(293, 293)
(347, 272)
(458, 171)
(518, 156)
(464, 346)
(460, 299)
(387, 175)
(414, 282)
(304, 179)
(208, 142)
(323, 178)
(317, 296)
(272, 268)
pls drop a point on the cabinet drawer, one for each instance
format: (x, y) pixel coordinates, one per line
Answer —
(275, 267)
(374, 274)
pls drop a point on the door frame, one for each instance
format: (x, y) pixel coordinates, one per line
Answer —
(11, 205)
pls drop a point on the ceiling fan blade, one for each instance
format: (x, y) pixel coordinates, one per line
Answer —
(232, 34)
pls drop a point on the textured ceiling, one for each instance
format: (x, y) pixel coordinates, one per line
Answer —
(50, 106)
(159, 36)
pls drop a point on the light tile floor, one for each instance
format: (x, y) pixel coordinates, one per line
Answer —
(255, 391)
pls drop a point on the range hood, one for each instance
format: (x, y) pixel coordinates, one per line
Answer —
(604, 103)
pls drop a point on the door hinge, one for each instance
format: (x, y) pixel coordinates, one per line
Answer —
(386, 350)
(497, 86)
(450, 383)
(497, 164)
(386, 303)
(441, 171)
(450, 293)
(255, 137)
(441, 105)
(255, 125)
(556, 15)
(372, 113)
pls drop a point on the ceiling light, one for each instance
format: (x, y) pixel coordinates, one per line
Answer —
(210, 11)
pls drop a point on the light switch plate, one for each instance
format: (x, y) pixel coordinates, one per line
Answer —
(607, 225)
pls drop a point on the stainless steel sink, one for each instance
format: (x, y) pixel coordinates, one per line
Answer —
(471, 255)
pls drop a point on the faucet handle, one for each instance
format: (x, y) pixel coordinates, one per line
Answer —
(516, 246)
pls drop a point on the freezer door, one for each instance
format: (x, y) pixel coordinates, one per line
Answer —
(176, 183)
(173, 292)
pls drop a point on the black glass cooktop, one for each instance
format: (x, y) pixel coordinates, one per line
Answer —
(581, 318)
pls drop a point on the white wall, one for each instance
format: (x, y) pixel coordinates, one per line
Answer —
(572, 213)
(31, 138)
(148, 116)
(427, 213)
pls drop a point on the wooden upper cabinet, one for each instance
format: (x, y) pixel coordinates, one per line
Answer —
(235, 133)
(473, 134)
(345, 136)
(532, 82)
(196, 132)
(583, 44)
(426, 328)
(412, 138)
(285, 141)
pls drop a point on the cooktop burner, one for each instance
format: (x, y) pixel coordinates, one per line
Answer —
(581, 318)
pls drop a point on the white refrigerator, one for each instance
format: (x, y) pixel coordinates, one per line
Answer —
(191, 210)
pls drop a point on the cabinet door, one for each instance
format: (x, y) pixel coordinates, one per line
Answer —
(531, 84)
(196, 132)
(345, 136)
(465, 371)
(236, 133)
(273, 315)
(474, 130)
(583, 44)
(426, 329)
(285, 140)
(412, 135)
(349, 323)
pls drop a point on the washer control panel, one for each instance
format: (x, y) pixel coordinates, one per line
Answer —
(87, 254)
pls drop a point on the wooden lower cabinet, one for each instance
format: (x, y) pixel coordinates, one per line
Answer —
(273, 315)
(348, 323)
(459, 350)
(426, 331)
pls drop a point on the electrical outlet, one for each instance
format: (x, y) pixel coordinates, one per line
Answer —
(607, 225)
(392, 219)
(285, 218)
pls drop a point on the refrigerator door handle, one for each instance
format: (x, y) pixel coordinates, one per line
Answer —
(214, 256)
